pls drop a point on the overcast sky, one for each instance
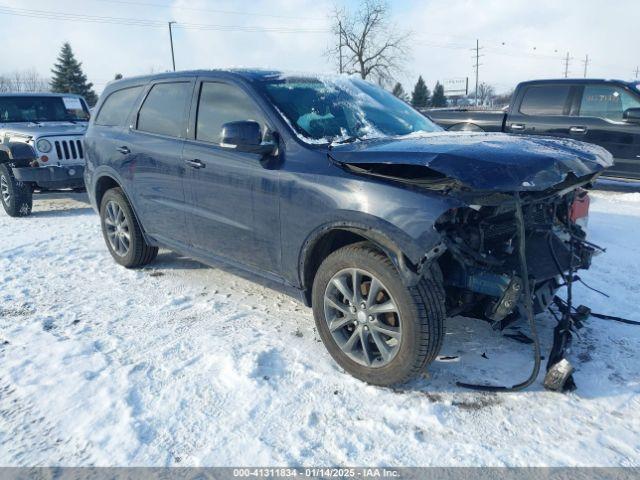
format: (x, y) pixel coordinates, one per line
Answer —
(521, 39)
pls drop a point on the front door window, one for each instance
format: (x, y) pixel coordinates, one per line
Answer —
(606, 101)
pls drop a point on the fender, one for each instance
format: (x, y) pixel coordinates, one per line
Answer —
(405, 253)
(92, 176)
(17, 154)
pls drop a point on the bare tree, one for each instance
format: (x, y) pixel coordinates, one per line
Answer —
(15, 80)
(367, 43)
(485, 93)
(503, 99)
(32, 81)
(5, 84)
(23, 81)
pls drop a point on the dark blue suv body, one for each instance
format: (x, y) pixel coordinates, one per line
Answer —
(340, 192)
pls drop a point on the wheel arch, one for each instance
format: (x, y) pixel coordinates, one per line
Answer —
(4, 156)
(105, 182)
(329, 238)
(17, 154)
(102, 179)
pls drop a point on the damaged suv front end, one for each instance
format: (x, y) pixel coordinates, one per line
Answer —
(485, 173)
(505, 187)
(495, 222)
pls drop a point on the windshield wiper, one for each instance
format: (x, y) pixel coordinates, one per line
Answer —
(347, 139)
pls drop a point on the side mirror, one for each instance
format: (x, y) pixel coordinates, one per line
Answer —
(245, 136)
(631, 115)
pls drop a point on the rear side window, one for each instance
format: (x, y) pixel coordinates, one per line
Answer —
(545, 100)
(163, 110)
(221, 103)
(606, 101)
(116, 107)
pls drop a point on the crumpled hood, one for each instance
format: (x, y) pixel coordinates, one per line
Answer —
(483, 161)
(45, 129)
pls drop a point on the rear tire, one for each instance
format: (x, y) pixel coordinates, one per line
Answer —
(122, 233)
(409, 320)
(16, 197)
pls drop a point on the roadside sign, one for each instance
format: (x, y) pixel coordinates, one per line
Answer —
(456, 87)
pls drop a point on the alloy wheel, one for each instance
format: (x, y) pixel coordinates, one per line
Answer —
(118, 228)
(363, 317)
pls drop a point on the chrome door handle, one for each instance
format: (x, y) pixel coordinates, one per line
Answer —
(195, 163)
(124, 150)
(578, 130)
(517, 126)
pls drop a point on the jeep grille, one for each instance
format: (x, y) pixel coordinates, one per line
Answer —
(69, 149)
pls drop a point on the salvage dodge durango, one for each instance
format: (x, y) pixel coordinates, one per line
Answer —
(344, 195)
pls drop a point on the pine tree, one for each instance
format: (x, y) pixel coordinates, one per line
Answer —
(69, 78)
(118, 76)
(399, 92)
(420, 95)
(438, 99)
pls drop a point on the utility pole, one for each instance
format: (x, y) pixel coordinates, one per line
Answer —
(340, 44)
(173, 58)
(477, 66)
(566, 65)
(586, 63)
(637, 73)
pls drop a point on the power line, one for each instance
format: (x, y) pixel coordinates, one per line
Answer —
(516, 54)
(521, 54)
(138, 22)
(501, 50)
(211, 10)
(498, 48)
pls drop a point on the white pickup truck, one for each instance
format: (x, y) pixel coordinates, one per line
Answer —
(41, 146)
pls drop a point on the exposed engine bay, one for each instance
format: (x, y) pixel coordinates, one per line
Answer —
(481, 268)
(506, 261)
(478, 254)
(504, 254)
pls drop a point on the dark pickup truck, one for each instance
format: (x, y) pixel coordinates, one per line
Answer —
(604, 112)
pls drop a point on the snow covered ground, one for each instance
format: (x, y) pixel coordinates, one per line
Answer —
(182, 364)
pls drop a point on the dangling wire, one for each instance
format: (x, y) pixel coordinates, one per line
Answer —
(564, 327)
(591, 288)
(528, 306)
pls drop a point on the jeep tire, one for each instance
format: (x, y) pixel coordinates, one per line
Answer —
(16, 197)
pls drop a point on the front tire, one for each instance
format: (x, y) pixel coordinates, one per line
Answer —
(381, 331)
(16, 197)
(122, 233)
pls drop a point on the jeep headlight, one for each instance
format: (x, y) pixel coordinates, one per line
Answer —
(43, 145)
